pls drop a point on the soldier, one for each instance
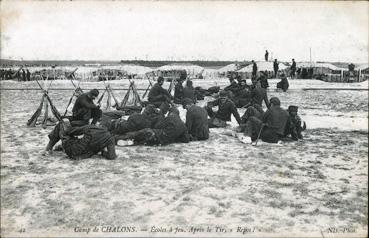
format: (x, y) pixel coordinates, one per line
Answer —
(170, 130)
(190, 92)
(196, 121)
(266, 55)
(259, 94)
(283, 84)
(226, 108)
(84, 109)
(276, 68)
(293, 69)
(272, 126)
(95, 139)
(294, 125)
(158, 94)
(254, 69)
(178, 90)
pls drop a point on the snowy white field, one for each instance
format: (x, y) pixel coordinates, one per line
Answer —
(303, 188)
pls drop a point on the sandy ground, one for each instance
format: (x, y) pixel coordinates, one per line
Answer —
(303, 188)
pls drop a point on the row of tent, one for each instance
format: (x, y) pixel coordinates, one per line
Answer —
(325, 71)
(305, 70)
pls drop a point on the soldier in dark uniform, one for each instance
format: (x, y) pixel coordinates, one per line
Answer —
(190, 92)
(84, 109)
(254, 69)
(158, 94)
(196, 121)
(276, 68)
(259, 94)
(263, 80)
(266, 56)
(283, 84)
(95, 139)
(178, 91)
(293, 69)
(294, 126)
(226, 108)
(272, 126)
(170, 130)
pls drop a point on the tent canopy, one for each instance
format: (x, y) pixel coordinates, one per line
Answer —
(190, 68)
(317, 65)
(229, 68)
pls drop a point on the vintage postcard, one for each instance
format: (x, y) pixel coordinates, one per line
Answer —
(184, 119)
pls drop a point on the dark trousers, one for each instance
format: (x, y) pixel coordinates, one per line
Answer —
(267, 134)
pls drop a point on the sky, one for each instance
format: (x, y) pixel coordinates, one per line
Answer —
(162, 30)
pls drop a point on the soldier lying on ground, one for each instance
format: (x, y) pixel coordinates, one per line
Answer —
(170, 130)
(149, 118)
(95, 139)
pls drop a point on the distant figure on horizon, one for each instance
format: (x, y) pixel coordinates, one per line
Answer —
(266, 55)
(293, 69)
(254, 69)
(276, 67)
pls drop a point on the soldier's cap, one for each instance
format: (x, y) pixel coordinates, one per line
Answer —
(223, 94)
(187, 101)
(283, 75)
(160, 78)
(292, 108)
(174, 110)
(94, 92)
(243, 80)
(275, 101)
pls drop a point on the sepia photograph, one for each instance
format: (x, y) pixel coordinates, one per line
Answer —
(184, 118)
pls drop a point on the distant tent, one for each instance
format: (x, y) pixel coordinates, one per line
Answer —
(131, 101)
(231, 67)
(174, 70)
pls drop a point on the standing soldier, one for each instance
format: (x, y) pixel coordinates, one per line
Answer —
(266, 55)
(276, 67)
(254, 69)
(293, 69)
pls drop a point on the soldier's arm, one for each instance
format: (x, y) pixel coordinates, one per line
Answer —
(213, 103)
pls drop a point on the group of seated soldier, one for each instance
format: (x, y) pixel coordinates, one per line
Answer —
(160, 123)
